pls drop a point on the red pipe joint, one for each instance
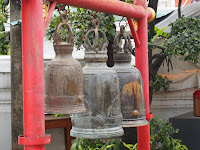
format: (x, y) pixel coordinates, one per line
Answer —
(34, 140)
(151, 14)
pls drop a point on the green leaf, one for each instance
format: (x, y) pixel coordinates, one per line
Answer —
(73, 147)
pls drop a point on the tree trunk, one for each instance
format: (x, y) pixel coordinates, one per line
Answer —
(153, 4)
(155, 65)
(179, 8)
(16, 77)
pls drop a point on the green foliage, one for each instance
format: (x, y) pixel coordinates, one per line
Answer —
(4, 43)
(159, 32)
(129, 1)
(161, 137)
(130, 146)
(59, 115)
(95, 144)
(160, 83)
(184, 39)
(81, 21)
(3, 16)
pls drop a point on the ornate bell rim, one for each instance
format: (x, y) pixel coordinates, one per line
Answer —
(136, 123)
(99, 133)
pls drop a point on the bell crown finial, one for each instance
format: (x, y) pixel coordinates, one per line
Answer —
(96, 47)
(122, 54)
(117, 42)
(57, 37)
(97, 51)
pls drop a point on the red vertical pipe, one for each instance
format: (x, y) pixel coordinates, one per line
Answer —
(141, 58)
(50, 13)
(133, 32)
(33, 76)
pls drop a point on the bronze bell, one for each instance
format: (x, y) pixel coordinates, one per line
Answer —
(64, 79)
(131, 83)
(101, 93)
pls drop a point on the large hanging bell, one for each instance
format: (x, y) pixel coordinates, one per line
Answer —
(101, 93)
(64, 79)
(131, 83)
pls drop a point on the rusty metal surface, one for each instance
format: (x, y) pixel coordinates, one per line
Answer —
(131, 84)
(101, 94)
(64, 79)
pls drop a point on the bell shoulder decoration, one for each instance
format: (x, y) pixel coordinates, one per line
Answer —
(64, 79)
(101, 93)
(131, 83)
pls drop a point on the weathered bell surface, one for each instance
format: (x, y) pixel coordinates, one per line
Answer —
(131, 83)
(64, 79)
(101, 93)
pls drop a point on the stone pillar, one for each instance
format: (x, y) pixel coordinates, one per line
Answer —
(16, 76)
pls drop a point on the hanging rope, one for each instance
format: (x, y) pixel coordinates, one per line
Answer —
(62, 16)
(121, 21)
(94, 16)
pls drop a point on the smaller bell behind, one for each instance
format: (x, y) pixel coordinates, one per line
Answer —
(64, 78)
(131, 83)
(101, 93)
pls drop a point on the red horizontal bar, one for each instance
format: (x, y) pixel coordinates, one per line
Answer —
(108, 6)
(46, 139)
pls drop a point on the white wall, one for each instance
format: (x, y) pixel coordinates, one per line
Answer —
(167, 104)
(5, 103)
(5, 112)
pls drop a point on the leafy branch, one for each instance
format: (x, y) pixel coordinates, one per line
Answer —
(160, 83)
(184, 39)
(4, 41)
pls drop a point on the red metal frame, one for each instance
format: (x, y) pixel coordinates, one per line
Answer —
(33, 76)
(141, 62)
(134, 33)
(51, 8)
(33, 29)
